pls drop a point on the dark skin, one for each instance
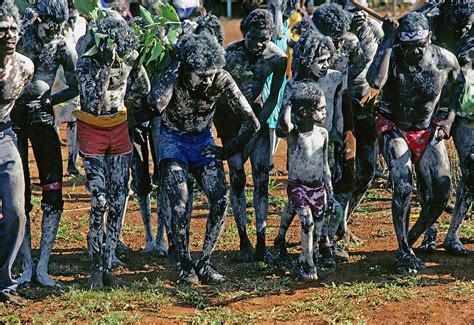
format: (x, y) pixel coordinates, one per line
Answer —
(257, 56)
(410, 102)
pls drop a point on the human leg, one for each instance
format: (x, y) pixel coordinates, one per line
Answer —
(280, 252)
(398, 157)
(306, 269)
(259, 162)
(73, 148)
(211, 177)
(12, 224)
(47, 150)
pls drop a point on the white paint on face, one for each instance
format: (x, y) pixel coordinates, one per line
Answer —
(202, 79)
(8, 35)
(319, 112)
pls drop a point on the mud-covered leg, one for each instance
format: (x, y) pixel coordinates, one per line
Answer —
(463, 136)
(145, 212)
(175, 186)
(428, 244)
(434, 185)
(306, 268)
(49, 229)
(160, 246)
(397, 155)
(117, 193)
(237, 200)
(280, 252)
(212, 179)
(259, 161)
(25, 251)
(274, 141)
(73, 148)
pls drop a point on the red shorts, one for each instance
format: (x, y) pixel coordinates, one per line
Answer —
(103, 141)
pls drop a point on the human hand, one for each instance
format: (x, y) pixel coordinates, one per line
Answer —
(443, 129)
(109, 53)
(210, 151)
(390, 24)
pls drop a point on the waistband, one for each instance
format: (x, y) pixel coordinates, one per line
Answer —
(102, 120)
(190, 136)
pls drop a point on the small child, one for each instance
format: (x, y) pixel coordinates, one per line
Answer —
(309, 176)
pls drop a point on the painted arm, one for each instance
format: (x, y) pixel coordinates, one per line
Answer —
(68, 61)
(242, 109)
(327, 171)
(455, 84)
(162, 88)
(272, 100)
(284, 117)
(338, 120)
(378, 70)
(358, 59)
(139, 87)
(94, 79)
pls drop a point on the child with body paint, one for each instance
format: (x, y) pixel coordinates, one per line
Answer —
(309, 178)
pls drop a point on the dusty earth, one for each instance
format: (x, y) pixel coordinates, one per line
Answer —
(363, 290)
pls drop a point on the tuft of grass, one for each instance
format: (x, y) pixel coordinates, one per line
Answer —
(195, 297)
(118, 317)
(373, 195)
(460, 291)
(215, 315)
(133, 230)
(67, 232)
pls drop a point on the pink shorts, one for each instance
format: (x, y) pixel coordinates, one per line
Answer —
(103, 141)
(302, 196)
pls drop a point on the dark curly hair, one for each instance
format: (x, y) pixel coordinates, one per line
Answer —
(56, 10)
(209, 24)
(305, 96)
(8, 8)
(459, 9)
(117, 28)
(413, 21)
(310, 46)
(200, 51)
(260, 19)
(331, 20)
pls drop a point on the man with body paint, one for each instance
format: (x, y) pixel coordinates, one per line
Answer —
(16, 71)
(452, 29)
(309, 177)
(33, 120)
(311, 60)
(414, 74)
(250, 61)
(186, 96)
(104, 141)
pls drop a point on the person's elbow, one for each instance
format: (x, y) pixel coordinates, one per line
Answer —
(375, 81)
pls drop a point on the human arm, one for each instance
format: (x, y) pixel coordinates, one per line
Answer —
(139, 87)
(455, 85)
(94, 78)
(338, 120)
(162, 88)
(326, 170)
(68, 61)
(378, 70)
(358, 58)
(235, 100)
(284, 117)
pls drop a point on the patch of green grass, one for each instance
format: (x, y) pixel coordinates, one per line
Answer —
(217, 315)
(67, 233)
(366, 209)
(373, 195)
(195, 297)
(118, 317)
(133, 230)
(64, 268)
(352, 302)
(466, 231)
(460, 291)
(276, 201)
(79, 304)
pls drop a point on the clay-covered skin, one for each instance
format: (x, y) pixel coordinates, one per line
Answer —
(47, 55)
(251, 61)
(187, 100)
(308, 165)
(411, 94)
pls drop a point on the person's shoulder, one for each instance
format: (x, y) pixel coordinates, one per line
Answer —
(350, 39)
(444, 56)
(222, 78)
(235, 46)
(333, 75)
(321, 130)
(25, 63)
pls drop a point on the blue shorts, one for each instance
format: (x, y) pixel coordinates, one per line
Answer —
(185, 147)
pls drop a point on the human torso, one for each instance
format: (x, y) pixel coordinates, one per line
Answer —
(411, 93)
(16, 76)
(306, 155)
(189, 112)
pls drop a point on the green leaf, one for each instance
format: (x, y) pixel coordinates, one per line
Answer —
(92, 51)
(168, 12)
(98, 37)
(155, 53)
(86, 6)
(146, 15)
(110, 41)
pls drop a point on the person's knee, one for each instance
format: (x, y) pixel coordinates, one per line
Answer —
(307, 223)
(442, 189)
(402, 178)
(238, 180)
(99, 201)
(53, 199)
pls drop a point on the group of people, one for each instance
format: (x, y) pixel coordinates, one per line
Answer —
(333, 115)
